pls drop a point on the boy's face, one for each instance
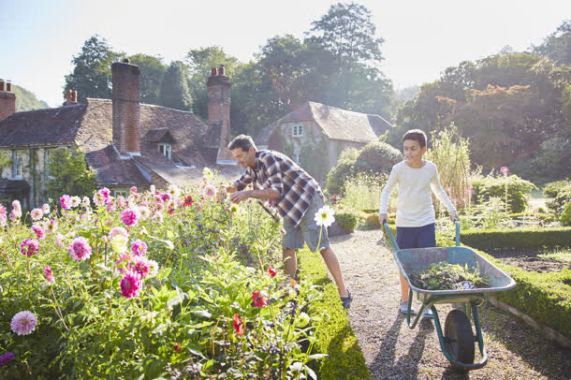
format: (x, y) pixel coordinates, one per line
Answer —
(412, 151)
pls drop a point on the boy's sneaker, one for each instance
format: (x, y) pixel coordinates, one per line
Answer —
(404, 308)
(346, 301)
(427, 314)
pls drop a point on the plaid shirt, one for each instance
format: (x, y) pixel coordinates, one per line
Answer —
(277, 171)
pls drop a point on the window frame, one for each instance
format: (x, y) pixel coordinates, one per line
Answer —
(166, 150)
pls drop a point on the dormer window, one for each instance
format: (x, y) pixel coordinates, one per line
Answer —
(297, 130)
(166, 150)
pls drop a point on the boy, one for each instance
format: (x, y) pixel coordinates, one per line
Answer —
(415, 216)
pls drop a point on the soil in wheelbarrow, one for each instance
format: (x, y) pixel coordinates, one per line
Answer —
(535, 260)
(393, 351)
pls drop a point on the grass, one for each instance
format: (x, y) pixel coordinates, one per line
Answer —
(562, 256)
(334, 334)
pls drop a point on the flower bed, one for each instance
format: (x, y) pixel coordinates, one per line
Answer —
(156, 284)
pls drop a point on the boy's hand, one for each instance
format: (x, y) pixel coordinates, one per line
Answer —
(383, 218)
(454, 217)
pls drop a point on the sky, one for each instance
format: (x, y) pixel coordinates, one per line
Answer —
(38, 38)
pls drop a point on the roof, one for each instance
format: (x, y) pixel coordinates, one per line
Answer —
(336, 123)
(90, 127)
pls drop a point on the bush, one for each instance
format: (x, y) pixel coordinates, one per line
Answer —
(565, 217)
(560, 191)
(346, 220)
(511, 189)
(521, 238)
(375, 158)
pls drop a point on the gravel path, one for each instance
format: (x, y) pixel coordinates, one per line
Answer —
(393, 351)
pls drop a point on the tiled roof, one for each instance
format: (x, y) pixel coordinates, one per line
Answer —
(112, 171)
(336, 123)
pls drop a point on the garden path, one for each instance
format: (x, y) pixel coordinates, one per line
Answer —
(393, 351)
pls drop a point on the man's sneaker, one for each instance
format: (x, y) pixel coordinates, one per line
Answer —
(346, 301)
(427, 314)
(404, 308)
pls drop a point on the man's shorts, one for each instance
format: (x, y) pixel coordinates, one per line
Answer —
(416, 237)
(307, 231)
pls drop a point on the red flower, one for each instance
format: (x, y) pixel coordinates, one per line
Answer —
(238, 324)
(272, 272)
(177, 347)
(258, 300)
(188, 201)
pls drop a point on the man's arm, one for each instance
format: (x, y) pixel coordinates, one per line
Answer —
(265, 194)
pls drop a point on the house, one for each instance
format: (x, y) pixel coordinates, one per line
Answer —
(126, 143)
(315, 134)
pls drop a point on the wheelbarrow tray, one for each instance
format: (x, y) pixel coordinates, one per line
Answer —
(419, 259)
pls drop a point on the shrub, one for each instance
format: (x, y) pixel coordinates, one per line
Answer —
(511, 189)
(346, 220)
(362, 192)
(565, 217)
(336, 178)
(560, 191)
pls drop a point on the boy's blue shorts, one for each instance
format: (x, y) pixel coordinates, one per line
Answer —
(416, 237)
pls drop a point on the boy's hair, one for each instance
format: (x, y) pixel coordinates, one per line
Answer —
(416, 135)
(243, 142)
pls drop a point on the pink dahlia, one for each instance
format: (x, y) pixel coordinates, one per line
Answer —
(39, 231)
(130, 285)
(48, 274)
(118, 231)
(129, 217)
(140, 266)
(65, 202)
(133, 190)
(209, 191)
(23, 323)
(139, 248)
(46, 208)
(37, 214)
(29, 247)
(79, 249)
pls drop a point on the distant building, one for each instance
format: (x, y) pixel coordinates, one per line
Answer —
(125, 142)
(314, 135)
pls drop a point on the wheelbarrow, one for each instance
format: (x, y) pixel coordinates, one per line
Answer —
(458, 340)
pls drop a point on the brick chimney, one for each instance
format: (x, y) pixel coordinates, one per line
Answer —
(7, 100)
(218, 86)
(126, 112)
(70, 97)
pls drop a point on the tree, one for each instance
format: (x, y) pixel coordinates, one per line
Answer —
(174, 88)
(557, 46)
(26, 100)
(348, 32)
(91, 75)
(152, 72)
(70, 172)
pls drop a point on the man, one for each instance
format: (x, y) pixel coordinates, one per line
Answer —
(296, 195)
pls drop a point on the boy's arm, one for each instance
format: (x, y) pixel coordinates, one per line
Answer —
(385, 196)
(437, 189)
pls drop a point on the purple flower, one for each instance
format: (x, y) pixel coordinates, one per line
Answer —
(504, 170)
(48, 274)
(139, 248)
(129, 217)
(29, 247)
(130, 285)
(23, 323)
(65, 202)
(39, 231)
(140, 266)
(6, 358)
(79, 249)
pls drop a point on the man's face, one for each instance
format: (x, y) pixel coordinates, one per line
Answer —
(245, 158)
(412, 151)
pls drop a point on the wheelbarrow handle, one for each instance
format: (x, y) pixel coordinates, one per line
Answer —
(394, 241)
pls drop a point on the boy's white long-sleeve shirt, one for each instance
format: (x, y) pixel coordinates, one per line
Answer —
(414, 201)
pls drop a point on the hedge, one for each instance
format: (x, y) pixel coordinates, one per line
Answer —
(520, 238)
(334, 334)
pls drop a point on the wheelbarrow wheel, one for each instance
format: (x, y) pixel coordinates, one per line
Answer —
(459, 339)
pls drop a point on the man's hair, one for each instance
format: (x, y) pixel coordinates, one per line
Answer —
(243, 142)
(416, 135)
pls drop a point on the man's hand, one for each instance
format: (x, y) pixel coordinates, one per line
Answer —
(231, 189)
(240, 196)
(383, 218)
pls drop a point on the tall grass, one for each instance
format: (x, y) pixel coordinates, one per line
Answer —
(363, 192)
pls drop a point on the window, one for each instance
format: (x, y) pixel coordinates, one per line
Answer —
(165, 150)
(296, 157)
(297, 130)
(17, 164)
(122, 193)
(47, 164)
